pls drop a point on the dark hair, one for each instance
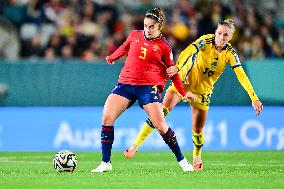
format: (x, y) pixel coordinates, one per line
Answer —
(156, 14)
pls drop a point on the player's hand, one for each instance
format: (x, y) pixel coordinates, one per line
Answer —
(109, 61)
(190, 97)
(257, 105)
(171, 71)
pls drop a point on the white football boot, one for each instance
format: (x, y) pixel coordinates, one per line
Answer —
(185, 165)
(103, 167)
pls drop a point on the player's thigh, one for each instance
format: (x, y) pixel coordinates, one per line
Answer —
(171, 99)
(114, 106)
(155, 112)
(199, 117)
(148, 94)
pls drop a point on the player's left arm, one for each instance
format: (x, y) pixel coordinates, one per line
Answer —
(168, 60)
(244, 80)
(193, 48)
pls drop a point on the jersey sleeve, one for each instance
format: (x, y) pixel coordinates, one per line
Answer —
(178, 84)
(167, 57)
(193, 48)
(185, 55)
(168, 61)
(200, 43)
(241, 75)
(122, 50)
(243, 79)
(234, 60)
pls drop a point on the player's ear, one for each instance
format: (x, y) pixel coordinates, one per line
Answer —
(231, 36)
(160, 26)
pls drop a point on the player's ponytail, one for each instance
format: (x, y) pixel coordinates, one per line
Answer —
(228, 23)
(156, 14)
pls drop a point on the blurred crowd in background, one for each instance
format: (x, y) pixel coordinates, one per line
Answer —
(92, 29)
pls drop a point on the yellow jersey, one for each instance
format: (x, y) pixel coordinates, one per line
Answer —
(201, 64)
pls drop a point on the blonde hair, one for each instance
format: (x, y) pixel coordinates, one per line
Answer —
(228, 23)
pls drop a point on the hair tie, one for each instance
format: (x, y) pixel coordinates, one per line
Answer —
(151, 14)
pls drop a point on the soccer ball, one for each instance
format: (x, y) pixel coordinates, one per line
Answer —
(65, 161)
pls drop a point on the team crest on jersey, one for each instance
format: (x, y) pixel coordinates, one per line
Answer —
(201, 44)
(155, 47)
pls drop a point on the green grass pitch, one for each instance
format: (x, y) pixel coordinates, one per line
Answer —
(230, 169)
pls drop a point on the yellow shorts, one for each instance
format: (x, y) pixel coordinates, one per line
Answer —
(202, 101)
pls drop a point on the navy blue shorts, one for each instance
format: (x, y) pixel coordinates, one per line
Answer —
(145, 94)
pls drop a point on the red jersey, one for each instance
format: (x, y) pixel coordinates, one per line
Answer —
(146, 61)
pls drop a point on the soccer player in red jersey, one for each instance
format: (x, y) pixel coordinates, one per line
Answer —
(142, 78)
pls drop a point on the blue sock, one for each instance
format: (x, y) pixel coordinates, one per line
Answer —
(171, 140)
(107, 137)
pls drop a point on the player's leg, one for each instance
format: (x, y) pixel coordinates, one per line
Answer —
(170, 100)
(199, 117)
(155, 113)
(114, 106)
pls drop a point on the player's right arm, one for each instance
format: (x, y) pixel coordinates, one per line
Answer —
(185, 55)
(168, 60)
(193, 48)
(122, 50)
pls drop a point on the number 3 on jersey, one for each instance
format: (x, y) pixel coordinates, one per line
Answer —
(143, 53)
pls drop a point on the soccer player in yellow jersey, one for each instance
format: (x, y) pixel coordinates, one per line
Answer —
(199, 66)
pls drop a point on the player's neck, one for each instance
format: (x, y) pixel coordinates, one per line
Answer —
(218, 48)
(158, 36)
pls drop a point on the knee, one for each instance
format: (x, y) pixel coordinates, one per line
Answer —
(108, 119)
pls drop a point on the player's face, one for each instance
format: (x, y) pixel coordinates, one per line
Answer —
(223, 35)
(151, 28)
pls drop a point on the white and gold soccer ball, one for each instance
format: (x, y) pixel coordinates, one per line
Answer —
(65, 161)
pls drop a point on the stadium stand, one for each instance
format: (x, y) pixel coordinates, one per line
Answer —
(90, 30)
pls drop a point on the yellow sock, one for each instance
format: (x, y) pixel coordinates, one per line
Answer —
(142, 135)
(198, 140)
(146, 130)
